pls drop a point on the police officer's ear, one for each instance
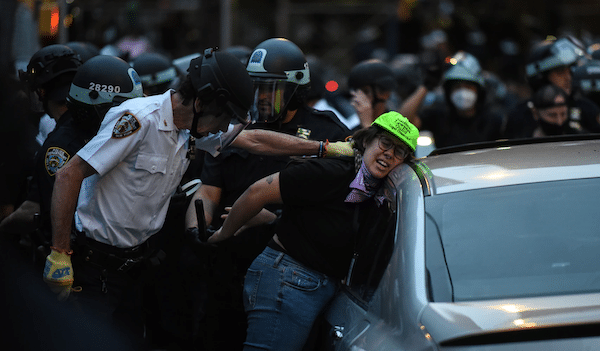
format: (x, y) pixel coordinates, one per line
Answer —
(41, 92)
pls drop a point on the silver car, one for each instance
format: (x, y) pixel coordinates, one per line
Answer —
(494, 248)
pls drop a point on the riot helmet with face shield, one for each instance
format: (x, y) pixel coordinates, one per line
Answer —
(101, 82)
(281, 79)
(551, 54)
(220, 79)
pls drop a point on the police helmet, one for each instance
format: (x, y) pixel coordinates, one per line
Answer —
(586, 79)
(49, 63)
(461, 73)
(221, 77)
(102, 82)
(464, 59)
(281, 78)
(85, 50)
(241, 52)
(548, 55)
(156, 71)
(464, 69)
(373, 73)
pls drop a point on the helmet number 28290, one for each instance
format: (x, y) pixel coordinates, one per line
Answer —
(104, 87)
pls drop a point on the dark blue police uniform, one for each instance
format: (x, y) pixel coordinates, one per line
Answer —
(58, 148)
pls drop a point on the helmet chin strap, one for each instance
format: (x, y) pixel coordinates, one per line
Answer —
(194, 128)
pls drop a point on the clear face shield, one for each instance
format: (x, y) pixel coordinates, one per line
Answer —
(565, 52)
(271, 97)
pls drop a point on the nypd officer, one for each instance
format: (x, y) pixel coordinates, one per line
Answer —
(550, 62)
(281, 79)
(48, 76)
(118, 187)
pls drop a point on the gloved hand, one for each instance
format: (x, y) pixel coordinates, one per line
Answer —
(58, 274)
(196, 238)
(433, 77)
(204, 251)
(339, 148)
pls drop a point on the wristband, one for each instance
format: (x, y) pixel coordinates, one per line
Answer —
(322, 147)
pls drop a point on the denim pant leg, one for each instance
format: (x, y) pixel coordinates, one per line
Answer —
(282, 299)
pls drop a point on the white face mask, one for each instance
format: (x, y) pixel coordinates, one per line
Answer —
(463, 98)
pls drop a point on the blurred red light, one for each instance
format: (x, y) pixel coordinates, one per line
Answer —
(331, 86)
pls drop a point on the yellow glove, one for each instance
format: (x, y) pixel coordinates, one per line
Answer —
(58, 274)
(339, 148)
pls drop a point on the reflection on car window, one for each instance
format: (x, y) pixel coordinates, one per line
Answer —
(374, 250)
(514, 241)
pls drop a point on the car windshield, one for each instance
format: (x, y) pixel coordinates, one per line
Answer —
(514, 241)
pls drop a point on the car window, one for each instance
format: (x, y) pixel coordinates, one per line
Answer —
(514, 241)
(374, 251)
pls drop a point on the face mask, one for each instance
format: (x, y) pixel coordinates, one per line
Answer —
(463, 98)
(551, 128)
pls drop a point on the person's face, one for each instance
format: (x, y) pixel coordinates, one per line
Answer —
(270, 99)
(267, 99)
(562, 78)
(383, 154)
(213, 119)
(554, 115)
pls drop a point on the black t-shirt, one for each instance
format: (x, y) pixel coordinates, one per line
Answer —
(235, 169)
(317, 227)
(449, 129)
(58, 148)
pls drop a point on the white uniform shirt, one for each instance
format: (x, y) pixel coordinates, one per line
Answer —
(140, 157)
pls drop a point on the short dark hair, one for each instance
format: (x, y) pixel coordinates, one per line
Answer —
(186, 89)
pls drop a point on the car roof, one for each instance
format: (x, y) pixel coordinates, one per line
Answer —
(487, 165)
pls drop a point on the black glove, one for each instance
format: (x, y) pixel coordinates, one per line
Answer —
(194, 237)
(433, 77)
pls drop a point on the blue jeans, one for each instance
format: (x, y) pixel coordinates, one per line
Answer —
(282, 299)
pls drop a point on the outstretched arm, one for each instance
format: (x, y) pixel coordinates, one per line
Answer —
(266, 142)
(263, 192)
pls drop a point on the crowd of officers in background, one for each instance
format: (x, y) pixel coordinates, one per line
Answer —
(193, 300)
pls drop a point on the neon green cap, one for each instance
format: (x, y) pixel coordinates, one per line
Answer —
(399, 126)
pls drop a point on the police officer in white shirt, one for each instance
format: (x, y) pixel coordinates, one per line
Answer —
(127, 174)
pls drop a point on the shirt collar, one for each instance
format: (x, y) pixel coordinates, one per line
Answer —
(166, 112)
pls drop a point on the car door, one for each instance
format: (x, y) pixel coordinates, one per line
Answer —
(371, 313)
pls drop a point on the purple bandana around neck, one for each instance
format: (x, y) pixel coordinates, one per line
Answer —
(364, 186)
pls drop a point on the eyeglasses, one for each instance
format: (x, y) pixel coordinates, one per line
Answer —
(386, 143)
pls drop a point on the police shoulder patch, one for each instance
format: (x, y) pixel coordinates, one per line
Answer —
(55, 159)
(126, 125)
